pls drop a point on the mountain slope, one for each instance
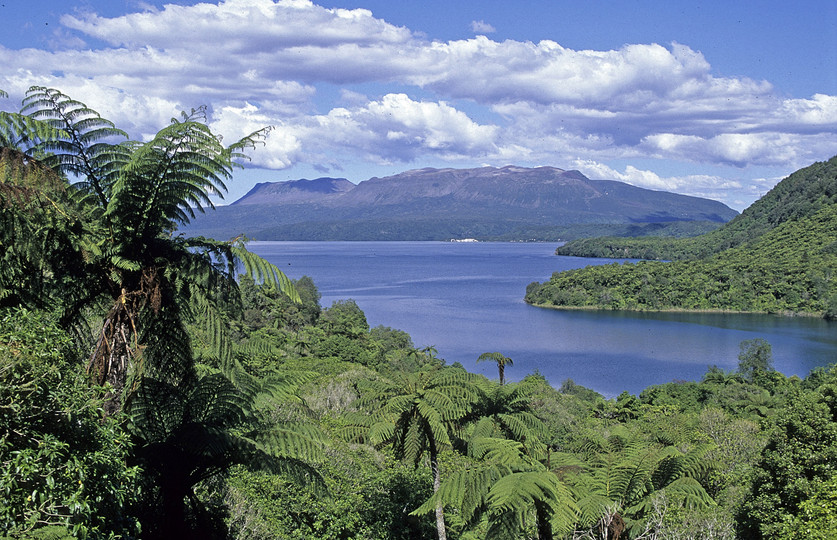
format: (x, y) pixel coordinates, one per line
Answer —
(296, 191)
(786, 265)
(801, 194)
(436, 204)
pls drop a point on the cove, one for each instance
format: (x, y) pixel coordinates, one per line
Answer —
(465, 299)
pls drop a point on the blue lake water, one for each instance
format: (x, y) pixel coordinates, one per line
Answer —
(465, 299)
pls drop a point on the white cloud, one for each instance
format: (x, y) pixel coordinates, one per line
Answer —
(281, 146)
(737, 149)
(399, 129)
(308, 71)
(482, 27)
(240, 26)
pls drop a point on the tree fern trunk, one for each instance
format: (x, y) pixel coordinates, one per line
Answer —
(544, 527)
(437, 483)
(112, 355)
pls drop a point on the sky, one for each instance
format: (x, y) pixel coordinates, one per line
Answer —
(718, 99)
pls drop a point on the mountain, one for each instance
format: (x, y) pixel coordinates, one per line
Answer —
(438, 204)
(801, 194)
(778, 256)
(296, 191)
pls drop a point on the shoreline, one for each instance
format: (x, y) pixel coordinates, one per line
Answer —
(788, 314)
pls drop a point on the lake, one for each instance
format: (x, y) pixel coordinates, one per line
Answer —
(465, 299)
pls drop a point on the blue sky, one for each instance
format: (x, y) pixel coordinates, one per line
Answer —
(715, 99)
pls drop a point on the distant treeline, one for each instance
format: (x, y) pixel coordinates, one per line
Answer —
(494, 230)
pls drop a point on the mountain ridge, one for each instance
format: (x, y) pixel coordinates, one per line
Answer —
(438, 204)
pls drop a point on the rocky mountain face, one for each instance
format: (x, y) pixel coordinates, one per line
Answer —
(447, 203)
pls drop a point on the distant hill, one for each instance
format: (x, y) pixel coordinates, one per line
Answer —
(296, 191)
(514, 203)
(778, 256)
(801, 194)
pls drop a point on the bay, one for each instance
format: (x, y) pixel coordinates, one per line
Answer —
(465, 299)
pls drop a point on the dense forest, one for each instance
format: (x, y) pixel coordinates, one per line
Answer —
(158, 386)
(778, 256)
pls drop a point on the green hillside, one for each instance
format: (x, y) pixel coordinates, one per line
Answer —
(801, 194)
(780, 256)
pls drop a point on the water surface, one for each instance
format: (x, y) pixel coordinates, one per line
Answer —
(465, 299)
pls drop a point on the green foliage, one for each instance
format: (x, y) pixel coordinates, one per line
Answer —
(415, 411)
(788, 269)
(776, 257)
(123, 263)
(63, 466)
(755, 360)
(370, 497)
(203, 426)
(504, 411)
(623, 480)
(738, 443)
(817, 518)
(801, 452)
(415, 414)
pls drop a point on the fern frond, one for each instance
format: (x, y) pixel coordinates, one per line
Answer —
(466, 490)
(519, 492)
(504, 525)
(264, 272)
(296, 440)
(497, 450)
(77, 153)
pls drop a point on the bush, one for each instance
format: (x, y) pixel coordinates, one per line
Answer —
(64, 465)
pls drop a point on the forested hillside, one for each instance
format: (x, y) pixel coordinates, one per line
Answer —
(780, 255)
(157, 386)
(801, 194)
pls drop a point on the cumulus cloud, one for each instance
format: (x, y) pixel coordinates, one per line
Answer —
(397, 128)
(281, 146)
(338, 82)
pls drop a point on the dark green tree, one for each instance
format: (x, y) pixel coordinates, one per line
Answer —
(755, 359)
(199, 428)
(800, 455)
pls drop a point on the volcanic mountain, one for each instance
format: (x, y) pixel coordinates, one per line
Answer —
(436, 204)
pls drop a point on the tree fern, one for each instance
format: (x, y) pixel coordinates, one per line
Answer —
(623, 481)
(504, 411)
(414, 414)
(133, 196)
(508, 488)
(204, 425)
(81, 152)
